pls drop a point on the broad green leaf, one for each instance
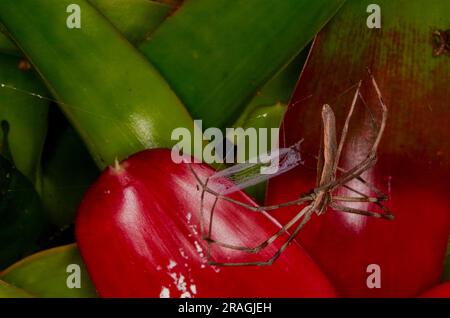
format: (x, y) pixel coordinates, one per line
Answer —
(263, 117)
(26, 114)
(116, 100)
(10, 291)
(277, 90)
(45, 274)
(267, 108)
(135, 19)
(7, 46)
(22, 218)
(217, 54)
(63, 188)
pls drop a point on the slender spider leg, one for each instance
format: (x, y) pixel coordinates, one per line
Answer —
(383, 108)
(207, 238)
(270, 240)
(345, 128)
(357, 199)
(342, 208)
(382, 197)
(372, 116)
(261, 209)
(359, 178)
(352, 173)
(202, 210)
(285, 245)
(211, 217)
(202, 196)
(371, 157)
(266, 208)
(369, 185)
(366, 199)
(329, 149)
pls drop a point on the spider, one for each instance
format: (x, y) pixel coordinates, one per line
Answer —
(321, 197)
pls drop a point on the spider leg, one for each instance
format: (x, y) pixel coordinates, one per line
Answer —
(341, 208)
(376, 200)
(369, 185)
(345, 128)
(279, 252)
(371, 157)
(270, 240)
(350, 174)
(358, 199)
(202, 197)
(211, 217)
(359, 178)
(204, 187)
(265, 208)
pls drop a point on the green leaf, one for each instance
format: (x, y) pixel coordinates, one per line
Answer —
(44, 274)
(263, 117)
(7, 46)
(26, 114)
(217, 54)
(22, 218)
(135, 19)
(10, 291)
(277, 90)
(68, 170)
(447, 263)
(267, 108)
(116, 100)
(63, 188)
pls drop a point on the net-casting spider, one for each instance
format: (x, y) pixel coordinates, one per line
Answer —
(320, 198)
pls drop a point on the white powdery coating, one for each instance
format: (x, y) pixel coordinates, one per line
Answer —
(193, 229)
(194, 289)
(165, 293)
(180, 284)
(183, 254)
(199, 249)
(171, 265)
(186, 295)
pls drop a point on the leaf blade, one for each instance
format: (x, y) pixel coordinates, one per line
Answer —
(225, 63)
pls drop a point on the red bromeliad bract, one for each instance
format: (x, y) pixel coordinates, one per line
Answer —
(364, 256)
(440, 291)
(138, 232)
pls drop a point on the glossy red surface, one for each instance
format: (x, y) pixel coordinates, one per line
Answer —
(440, 291)
(138, 232)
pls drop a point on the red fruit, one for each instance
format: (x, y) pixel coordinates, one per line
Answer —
(413, 165)
(440, 291)
(138, 232)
